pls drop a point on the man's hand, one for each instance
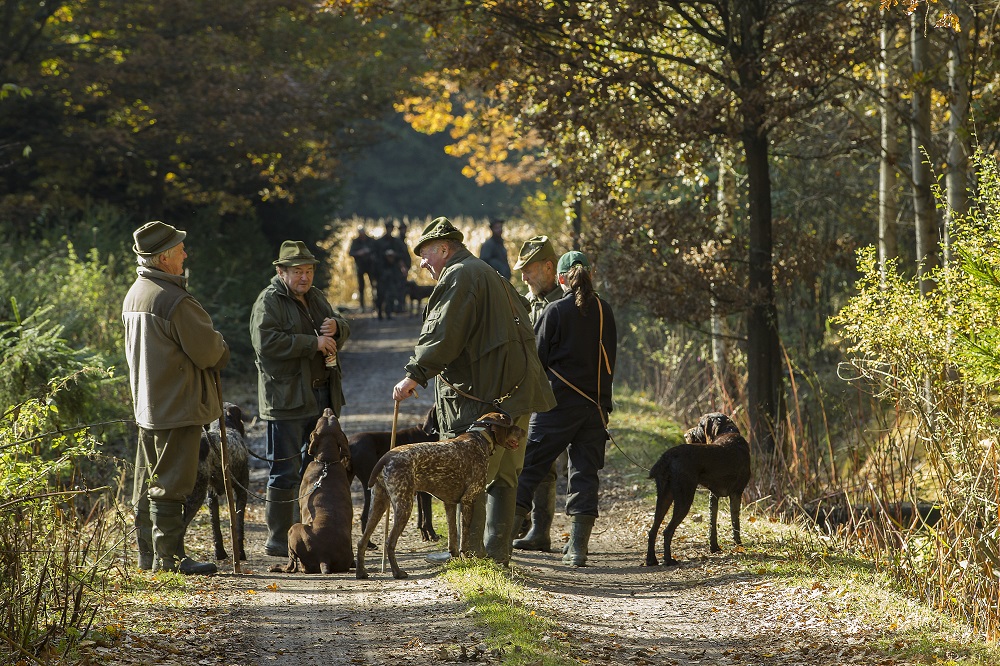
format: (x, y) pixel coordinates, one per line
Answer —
(404, 389)
(326, 345)
(329, 327)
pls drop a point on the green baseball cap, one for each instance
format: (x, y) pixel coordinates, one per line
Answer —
(440, 228)
(536, 248)
(570, 259)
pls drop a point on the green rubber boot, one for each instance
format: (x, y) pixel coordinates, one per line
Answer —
(279, 514)
(579, 538)
(168, 535)
(501, 502)
(542, 510)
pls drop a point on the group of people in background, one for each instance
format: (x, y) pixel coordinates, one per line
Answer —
(547, 359)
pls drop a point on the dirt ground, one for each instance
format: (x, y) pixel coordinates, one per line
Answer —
(709, 610)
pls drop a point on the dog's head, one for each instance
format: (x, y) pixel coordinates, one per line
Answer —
(234, 418)
(714, 424)
(502, 429)
(327, 442)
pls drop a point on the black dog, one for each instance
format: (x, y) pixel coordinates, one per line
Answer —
(210, 481)
(368, 447)
(417, 293)
(722, 465)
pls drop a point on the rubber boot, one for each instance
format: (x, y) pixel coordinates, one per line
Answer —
(475, 540)
(579, 538)
(542, 511)
(168, 533)
(501, 502)
(279, 514)
(144, 538)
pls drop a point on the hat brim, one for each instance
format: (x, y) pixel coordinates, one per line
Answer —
(289, 263)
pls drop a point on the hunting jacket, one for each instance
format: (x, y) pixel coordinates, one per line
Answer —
(283, 333)
(173, 352)
(476, 335)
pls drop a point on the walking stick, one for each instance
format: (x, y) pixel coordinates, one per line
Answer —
(224, 452)
(392, 445)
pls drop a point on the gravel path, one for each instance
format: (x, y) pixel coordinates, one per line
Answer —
(709, 610)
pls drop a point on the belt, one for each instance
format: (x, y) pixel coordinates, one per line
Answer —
(321, 383)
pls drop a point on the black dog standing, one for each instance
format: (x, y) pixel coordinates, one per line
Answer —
(722, 465)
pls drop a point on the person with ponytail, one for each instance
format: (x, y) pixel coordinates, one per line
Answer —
(577, 342)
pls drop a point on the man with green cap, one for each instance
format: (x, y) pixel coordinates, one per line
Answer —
(537, 263)
(477, 340)
(295, 334)
(173, 352)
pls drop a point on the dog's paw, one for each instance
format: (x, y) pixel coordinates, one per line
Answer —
(670, 562)
(400, 574)
(361, 574)
(651, 562)
(716, 549)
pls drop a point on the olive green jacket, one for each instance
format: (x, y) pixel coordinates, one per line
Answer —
(285, 348)
(538, 303)
(477, 336)
(173, 352)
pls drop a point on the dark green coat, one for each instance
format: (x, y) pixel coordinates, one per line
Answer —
(538, 304)
(285, 349)
(477, 335)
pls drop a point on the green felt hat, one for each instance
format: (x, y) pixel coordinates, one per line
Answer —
(536, 248)
(153, 238)
(294, 253)
(439, 228)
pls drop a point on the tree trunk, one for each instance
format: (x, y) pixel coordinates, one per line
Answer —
(763, 341)
(957, 178)
(928, 253)
(724, 392)
(888, 190)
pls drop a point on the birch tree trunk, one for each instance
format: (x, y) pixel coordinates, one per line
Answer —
(888, 190)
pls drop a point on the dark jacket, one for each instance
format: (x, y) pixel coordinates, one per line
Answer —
(476, 334)
(568, 343)
(539, 303)
(173, 351)
(284, 333)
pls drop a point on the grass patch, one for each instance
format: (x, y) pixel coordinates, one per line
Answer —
(517, 634)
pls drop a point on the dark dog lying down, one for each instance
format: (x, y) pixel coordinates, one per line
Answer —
(453, 470)
(321, 543)
(368, 447)
(830, 516)
(211, 483)
(722, 465)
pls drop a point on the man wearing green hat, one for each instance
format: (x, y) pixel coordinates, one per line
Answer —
(295, 334)
(477, 340)
(537, 263)
(173, 352)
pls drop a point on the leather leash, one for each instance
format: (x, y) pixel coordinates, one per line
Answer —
(392, 445)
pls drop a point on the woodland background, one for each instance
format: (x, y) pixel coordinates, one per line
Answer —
(793, 205)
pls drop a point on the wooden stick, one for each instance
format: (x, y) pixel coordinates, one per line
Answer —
(224, 452)
(392, 445)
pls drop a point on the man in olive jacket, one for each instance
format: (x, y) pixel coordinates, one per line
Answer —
(173, 352)
(295, 334)
(537, 263)
(478, 340)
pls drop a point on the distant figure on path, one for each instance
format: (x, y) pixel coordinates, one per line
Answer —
(494, 252)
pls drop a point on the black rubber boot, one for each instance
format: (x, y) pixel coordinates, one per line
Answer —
(279, 514)
(579, 538)
(168, 535)
(544, 508)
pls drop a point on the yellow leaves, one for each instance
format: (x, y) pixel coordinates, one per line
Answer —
(273, 587)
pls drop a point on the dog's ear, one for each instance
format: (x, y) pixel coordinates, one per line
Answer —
(494, 418)
(695, 435)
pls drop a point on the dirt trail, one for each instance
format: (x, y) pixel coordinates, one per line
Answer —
(707, 611)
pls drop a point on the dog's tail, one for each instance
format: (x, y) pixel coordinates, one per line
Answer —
(661, 468)
(378, 469)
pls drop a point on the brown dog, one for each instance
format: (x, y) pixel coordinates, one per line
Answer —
(722, 465)
(321, 543)
(453, 470)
